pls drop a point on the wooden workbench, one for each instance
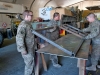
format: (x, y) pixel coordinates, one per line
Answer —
(69, 42)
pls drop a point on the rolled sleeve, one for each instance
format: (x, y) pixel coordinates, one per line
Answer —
(86, 29)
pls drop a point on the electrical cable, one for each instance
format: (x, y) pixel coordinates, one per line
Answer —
(47, 2)
(32, 4)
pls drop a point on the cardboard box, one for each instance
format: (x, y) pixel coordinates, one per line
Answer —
(61, 11)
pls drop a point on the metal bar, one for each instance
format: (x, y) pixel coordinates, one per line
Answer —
(72, 27)
(43, 29)
(71, 32)
(53, 43)
(78, 47)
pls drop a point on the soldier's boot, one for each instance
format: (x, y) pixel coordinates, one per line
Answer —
(55, 64)
(91, 68)
(98, 66)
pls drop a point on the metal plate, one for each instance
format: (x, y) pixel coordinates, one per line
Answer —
(69, 42)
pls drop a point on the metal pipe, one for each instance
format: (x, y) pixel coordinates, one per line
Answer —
(44, 28)
(78, 30)
(73, 27)
(78, 47)
(53, 43)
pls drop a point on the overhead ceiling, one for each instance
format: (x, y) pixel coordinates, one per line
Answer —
(58, 2)
(66, 2)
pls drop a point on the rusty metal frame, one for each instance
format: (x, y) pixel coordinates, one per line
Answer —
(53, 43)
(72, 30)
(68, 28)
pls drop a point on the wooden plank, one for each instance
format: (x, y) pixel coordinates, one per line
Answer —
(81, 65)
(44, 62)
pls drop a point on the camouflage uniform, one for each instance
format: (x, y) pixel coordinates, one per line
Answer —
(94, 29)
(53, 34)
(25, 42)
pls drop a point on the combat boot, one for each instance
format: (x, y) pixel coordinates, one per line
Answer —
(91, 68)
(56, 64)
(98, 66)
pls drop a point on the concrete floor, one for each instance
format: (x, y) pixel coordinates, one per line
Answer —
(11, 63)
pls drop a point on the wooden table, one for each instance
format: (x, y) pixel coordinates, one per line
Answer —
(70, 42)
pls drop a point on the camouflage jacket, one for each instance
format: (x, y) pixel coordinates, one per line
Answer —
(94, 29)
(54, 24)
(53, 33)
(24, 37)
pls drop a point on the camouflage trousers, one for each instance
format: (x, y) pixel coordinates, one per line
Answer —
(29, 64)
(95, 56)
(53, 36)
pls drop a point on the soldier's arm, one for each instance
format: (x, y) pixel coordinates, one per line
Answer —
(86, 29)
(20, 39)
(94, 33)
(50, 24)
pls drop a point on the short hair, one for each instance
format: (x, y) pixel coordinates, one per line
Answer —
(55, 14)
(92, 14)
(26, 12)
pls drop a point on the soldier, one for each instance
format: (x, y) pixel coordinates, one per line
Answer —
(94, 29)
(53, 34)
(25, 42)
